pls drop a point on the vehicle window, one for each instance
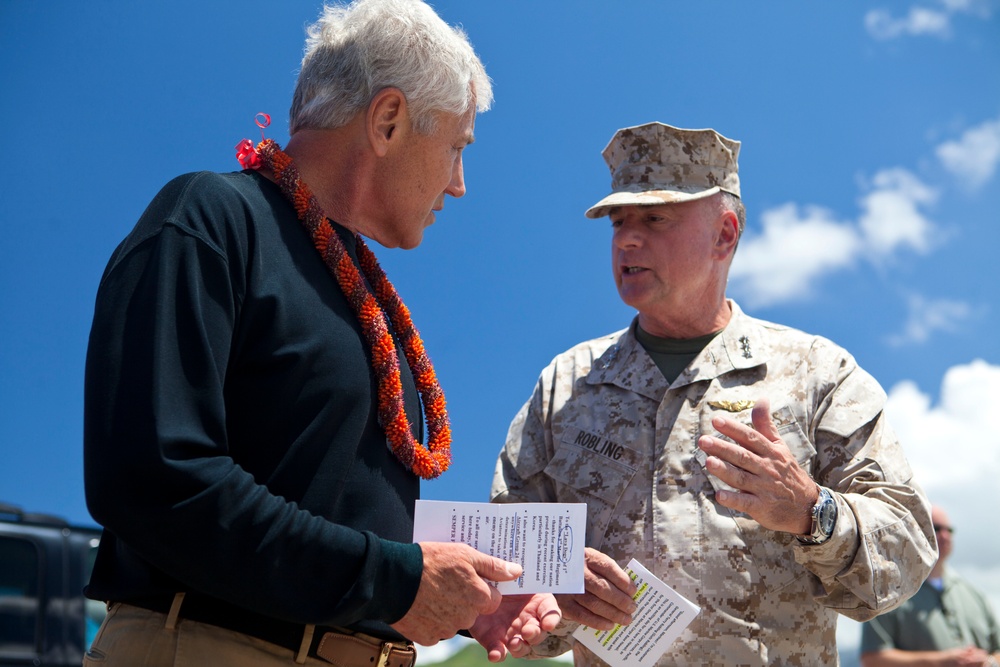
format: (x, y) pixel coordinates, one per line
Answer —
(19, 610)
(95, 610)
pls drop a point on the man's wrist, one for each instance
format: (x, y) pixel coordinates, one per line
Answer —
(824, 518)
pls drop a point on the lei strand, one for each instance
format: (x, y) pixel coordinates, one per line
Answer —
(371, 309)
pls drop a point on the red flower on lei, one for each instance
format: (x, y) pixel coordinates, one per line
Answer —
(371, 309)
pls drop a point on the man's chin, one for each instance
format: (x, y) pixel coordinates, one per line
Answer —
(410, 243)
(630, 297)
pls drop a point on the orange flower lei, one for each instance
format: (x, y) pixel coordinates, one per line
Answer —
(427, 462)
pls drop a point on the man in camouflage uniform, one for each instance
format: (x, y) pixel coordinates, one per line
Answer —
(746, 464)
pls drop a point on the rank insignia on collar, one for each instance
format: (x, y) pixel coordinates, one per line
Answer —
(745, 344)
(732, 406)
(609, 356)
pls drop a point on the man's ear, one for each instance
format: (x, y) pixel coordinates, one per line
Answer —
(387, 115)
(728, 233)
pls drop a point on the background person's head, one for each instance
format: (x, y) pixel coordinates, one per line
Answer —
(354, 51)
(944, 532)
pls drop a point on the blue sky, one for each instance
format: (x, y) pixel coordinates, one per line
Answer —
(869, 166)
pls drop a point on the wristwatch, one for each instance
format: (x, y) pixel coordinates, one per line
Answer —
(824, 518)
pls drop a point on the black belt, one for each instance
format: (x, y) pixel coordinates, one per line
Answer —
(286, 634)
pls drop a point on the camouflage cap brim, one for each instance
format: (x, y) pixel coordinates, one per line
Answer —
(652, 198)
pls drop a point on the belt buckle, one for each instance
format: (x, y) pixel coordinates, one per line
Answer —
(383, 658)
(354, 650)
(389, 647)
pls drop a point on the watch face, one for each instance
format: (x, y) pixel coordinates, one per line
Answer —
(827, 515)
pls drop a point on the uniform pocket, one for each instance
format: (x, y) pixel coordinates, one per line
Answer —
(792, 435)
(592, 469)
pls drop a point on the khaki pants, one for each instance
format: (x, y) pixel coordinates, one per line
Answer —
(135, 637)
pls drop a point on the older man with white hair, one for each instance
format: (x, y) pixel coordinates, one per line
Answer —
(255, 388)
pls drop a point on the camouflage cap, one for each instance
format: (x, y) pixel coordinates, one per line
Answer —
(660, 164)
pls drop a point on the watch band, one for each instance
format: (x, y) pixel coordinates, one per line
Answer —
(824, 518)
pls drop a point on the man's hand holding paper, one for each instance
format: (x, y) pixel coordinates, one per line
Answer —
(660, 617)
(546, 539)
(450, 571)
(607, 600)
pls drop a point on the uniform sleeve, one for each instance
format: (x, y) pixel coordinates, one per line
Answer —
(157, 467)
(518, 478)
(883, 544)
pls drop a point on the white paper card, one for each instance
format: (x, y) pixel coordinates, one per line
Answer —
(546, 539)
(662, 615)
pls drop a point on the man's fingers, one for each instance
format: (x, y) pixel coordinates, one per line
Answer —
(495, 598)
(520, 622)
(756, 438)
(518, 647)
(604, 609)
(497, 652)
(580, 608)
(609, 584)
(549, 614)
(617, 580)
(452, 592)
(739, 501)
(609, 602)
(488, 607)
(762, 422)
(494, 569)
(543, 620)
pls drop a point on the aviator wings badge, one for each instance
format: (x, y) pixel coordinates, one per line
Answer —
(732, 406)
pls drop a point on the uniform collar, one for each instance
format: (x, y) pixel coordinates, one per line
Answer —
(742, 344)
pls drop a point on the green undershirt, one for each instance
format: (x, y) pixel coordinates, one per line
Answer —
(672, 355)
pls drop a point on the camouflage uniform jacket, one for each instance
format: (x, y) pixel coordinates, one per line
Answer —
(603, 428)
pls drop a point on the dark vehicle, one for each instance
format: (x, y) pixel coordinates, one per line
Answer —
(44, 564)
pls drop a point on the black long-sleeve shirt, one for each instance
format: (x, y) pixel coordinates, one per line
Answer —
(231, 438)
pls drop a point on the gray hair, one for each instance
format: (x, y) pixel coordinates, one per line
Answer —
(355, 51)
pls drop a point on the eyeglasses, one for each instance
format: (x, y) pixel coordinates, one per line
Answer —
(944, 529)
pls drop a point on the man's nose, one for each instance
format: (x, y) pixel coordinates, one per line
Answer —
(626, 236)
(456, 188)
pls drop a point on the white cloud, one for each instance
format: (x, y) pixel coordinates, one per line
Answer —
(919, 21)
(891, 217)
(794, 249)
(980, 8)
(973, 157)
(801, 244)
(798, 246)
(954, 446)
(929, 315)
(922, 20)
